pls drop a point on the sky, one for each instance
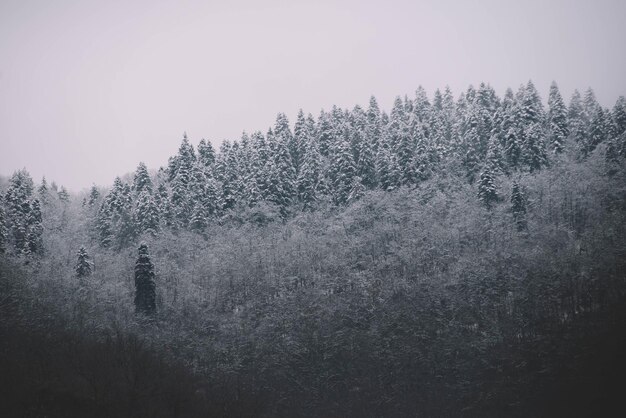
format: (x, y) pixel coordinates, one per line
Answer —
(88, 89)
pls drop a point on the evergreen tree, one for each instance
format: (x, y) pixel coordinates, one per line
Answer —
(576, 120)
(141, 180)
(533, 149)
(94, 195)
(206, 153)
(342, 171)
(310, 176)
(557, 120)
(43, 192)
(326, 133)
(83, 266)
(366, 163)
(487, 189)
(147, 214)
(518, 207)
(35, 229)
(145, 287)
(104, 225)
(64, 196)
(281, 187)
(199, 218)
(3, 227)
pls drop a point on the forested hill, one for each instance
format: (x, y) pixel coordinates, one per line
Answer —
(451, 258)
(337, 157)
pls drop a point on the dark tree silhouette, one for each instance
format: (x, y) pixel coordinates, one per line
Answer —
(144, 283)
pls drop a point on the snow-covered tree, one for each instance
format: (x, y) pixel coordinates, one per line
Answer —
(83, 267)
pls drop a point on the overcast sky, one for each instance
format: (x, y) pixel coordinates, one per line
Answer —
(90, 89)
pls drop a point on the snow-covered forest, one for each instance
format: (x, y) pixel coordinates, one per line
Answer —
(459, 255)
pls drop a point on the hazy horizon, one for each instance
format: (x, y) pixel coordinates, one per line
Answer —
(88, 89)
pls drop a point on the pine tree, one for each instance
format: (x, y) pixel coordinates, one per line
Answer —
(35, 229)
(299, 141)
(342, 171)
(43, 192)
(366, 163)
(281, 187)
(141, 180)
(533, 149)
(576, 119)
(83, 266)
(310, 176)
(3, 227)
(94, 195)
(145, 287)
(557, 120)
(326, 133)
(597, 130)
(104, 225)
(206, 153)
(64, 196)
(199, 218)
(147, 214)
(487, 189)
(181, 206)
(518, 207)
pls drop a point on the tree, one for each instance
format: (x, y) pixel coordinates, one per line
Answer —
(145, 287)
(147, 214)
(35, 229)
(310, 176)
(142, 180)
(487, 190)
(557, 120)
(518, 207)
(64, 196)
(83, 266)
(3, 227)
(206, 153)
(104, 225)
(94, 195)
(44, 193)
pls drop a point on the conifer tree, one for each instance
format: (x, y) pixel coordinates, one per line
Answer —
(300, 139)
(518, 207)
(366, 163)
(145, 287)
(310, 176)
(94, 195)
(104, 225)
(3, 227)
(557, 120)
(147, 214)
(618, 115)
(35, 229)
(198, 222)
(281, 187)
(487, 189)
(206, 153)
(576, 120)
(326, 133)
(64, 196)
(597, 130)
(83, 266)
(43, 192)
(533, 149)
(342, 171)
(141, 180)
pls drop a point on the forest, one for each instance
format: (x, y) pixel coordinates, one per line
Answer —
(456, 256)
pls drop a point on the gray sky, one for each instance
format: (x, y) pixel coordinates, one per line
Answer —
(90, 88)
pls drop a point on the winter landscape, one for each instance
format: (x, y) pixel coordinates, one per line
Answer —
(435, 252)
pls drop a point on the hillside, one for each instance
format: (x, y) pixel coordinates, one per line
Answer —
(453, 258)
